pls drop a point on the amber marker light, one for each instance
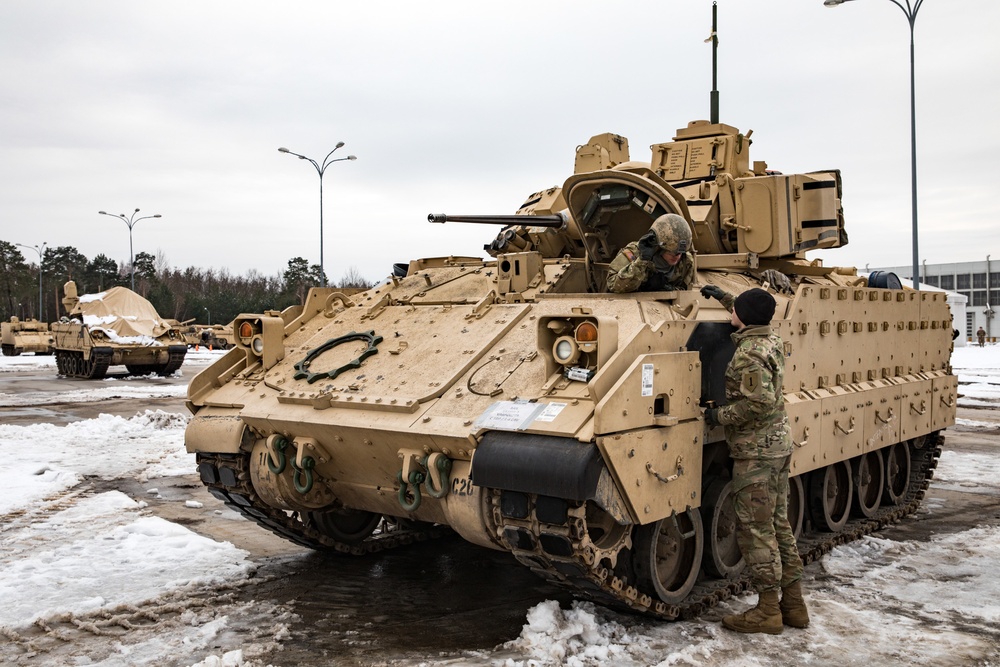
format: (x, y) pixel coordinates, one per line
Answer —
(586, 332)
(246, 330)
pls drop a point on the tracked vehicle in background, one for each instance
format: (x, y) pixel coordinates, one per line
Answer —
(213, 336)
(518, 403)
(114, 327)
(30, 335)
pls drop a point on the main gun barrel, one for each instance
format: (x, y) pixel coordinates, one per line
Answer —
(526, 220)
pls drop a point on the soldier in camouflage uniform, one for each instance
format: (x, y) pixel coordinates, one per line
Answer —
(659, 261)
(760, 445)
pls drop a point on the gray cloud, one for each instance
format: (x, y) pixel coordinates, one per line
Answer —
(466, 107)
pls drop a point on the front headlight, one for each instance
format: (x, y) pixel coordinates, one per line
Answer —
(565, 350)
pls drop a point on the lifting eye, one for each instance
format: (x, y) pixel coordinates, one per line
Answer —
(586, 332)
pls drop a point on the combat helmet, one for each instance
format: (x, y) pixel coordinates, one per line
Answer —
(673, 233)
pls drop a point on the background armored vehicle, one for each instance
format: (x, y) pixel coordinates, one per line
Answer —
(188, 330)
(519, 403)
(215, 336)
(28, 335)
(111, 328)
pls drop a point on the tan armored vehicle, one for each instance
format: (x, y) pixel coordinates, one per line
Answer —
(520, 404)
(111, 328)
(28, 335)
(214, 336)
(188, 330)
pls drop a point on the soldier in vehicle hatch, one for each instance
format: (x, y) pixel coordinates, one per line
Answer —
(760, 445)
(659, 261)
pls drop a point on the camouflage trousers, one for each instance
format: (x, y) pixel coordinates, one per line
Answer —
(760, 498)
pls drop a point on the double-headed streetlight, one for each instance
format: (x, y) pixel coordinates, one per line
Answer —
(321, 169)
(40, 249)
(910, 9)
(130, 221)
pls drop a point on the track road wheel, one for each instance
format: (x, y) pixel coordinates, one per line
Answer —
(796, 505)
(722, 552)
(668, 555)
(830, 491)
(869, 480)
(350, 526)
(897, 473)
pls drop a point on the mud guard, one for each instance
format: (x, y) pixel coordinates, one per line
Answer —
(541, 464)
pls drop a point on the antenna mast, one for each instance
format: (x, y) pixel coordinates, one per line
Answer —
(715, 53)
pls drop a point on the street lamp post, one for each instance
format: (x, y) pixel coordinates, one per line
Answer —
(910, 9)
(41, 251)
(130, 221)
(321, 169)
(209, 315)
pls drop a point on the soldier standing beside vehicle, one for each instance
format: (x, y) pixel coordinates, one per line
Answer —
(659, 261)
(981, 335)
(760, 445)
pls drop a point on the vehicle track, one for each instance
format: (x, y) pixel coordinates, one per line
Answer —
(227, 477)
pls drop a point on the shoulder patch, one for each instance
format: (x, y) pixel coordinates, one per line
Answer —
(752, 382)
(628, 253)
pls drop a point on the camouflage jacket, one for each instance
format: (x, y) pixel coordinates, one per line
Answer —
(754, 415)
(630, 273)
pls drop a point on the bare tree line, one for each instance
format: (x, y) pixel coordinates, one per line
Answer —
(209, 296)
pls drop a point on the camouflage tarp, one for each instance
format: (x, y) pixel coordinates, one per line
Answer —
(122, 311)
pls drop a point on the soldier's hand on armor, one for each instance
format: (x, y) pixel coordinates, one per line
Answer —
(712, 415)
(648, 246)
(713, 292)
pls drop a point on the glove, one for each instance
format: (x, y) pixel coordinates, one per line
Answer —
(778, 280)
(713, 292)
(712, 417)
(648, 246)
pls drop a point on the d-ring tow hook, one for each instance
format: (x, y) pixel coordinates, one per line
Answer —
(276, 448)
(416, 478)
(308, 463)
(438, 469)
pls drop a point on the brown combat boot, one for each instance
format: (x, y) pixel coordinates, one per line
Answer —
(793, 607)
(765, 617)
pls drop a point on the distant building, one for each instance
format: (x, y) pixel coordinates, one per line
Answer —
(978, 282)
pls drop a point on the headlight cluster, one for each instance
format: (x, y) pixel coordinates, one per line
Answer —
(250, 336)
(577, 344)
(263, 336)
(568, 349)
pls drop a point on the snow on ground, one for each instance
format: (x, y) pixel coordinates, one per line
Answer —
(875, 601)
(70, 552)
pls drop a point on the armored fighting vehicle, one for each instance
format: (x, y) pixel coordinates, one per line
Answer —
(111, 328)
(28, 335)
(214, 336)
(517, 402)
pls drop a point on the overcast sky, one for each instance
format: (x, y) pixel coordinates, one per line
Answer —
(459, 107)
